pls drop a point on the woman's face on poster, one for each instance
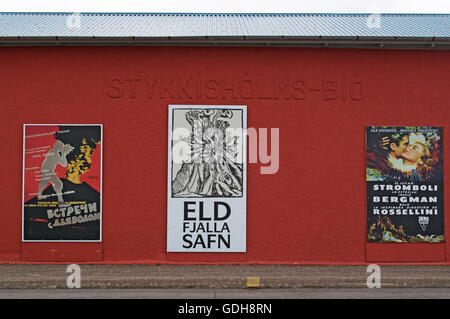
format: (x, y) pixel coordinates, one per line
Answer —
(413, 152)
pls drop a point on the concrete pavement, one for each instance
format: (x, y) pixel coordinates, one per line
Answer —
(263, 294)
(33, 276)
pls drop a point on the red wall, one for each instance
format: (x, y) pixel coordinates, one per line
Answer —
(312, 211)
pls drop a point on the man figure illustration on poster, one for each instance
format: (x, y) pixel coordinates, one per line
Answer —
(397, 145)
(55, 156)
(386, 162)
(67, 204)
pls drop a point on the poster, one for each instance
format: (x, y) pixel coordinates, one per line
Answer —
(62, 182)
(206, 209)
(405, 189)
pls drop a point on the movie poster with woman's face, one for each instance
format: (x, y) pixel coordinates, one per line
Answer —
(62, 171)
(404, 177)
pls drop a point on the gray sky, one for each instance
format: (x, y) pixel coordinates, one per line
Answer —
(255, 6)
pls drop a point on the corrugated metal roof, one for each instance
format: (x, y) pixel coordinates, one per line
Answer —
(333, 30)
(222, 25)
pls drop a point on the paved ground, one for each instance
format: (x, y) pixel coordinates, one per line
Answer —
(266, 294)
(220, 277)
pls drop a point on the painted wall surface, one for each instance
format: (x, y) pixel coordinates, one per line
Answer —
(313, 210)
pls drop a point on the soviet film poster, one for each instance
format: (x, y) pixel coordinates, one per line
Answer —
(62, 181)
(404, 177)
(206, 209)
